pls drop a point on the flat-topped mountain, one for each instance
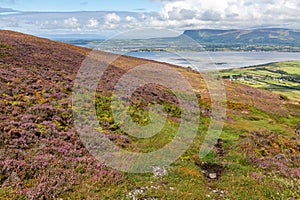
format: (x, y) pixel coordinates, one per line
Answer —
(266, 36)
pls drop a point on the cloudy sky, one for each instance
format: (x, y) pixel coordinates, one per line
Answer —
(102, 18)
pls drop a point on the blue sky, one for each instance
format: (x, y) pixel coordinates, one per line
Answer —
(79, 5)
(59, 17)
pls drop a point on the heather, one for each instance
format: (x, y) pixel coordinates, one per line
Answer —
(38, 142)
(42, 157)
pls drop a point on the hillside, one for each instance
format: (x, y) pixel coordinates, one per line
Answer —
(255, 39)
(42, 156)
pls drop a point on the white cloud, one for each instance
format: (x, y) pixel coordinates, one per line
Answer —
(130, 19)
(174, 14)
(71, 22)
(229, 13)
(93, 23)
(111, 21)
(112, 18)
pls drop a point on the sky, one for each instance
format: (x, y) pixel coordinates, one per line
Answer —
(81, 5)
(103, 18)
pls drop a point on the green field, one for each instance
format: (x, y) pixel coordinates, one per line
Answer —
(282, 78)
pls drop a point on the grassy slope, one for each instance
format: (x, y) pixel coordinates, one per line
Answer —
(36, 83)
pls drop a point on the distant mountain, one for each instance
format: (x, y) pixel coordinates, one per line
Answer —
(269, 36)
(6, 10)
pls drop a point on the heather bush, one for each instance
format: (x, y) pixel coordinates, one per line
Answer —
(38, 142)
(274, 152)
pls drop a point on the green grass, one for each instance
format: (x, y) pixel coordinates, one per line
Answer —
(267, 77)
(184, 179)
(5, 46)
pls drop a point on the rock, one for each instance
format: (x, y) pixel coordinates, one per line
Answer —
(159, 172)
(212, 175)
(211, 170)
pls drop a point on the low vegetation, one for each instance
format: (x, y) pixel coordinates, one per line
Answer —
(282, 78)
(42, 157)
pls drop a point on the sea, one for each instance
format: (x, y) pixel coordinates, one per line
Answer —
(202, 61)
(217, 60)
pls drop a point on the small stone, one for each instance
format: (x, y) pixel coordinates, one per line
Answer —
(159, 171)
(212, 175)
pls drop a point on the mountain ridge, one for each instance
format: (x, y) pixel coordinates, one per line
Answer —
(263, 36)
